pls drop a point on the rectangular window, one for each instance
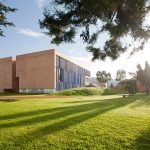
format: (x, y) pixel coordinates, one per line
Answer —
(74, 77)
(56, 74)
(61, 74)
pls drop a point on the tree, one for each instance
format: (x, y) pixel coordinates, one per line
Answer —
(102, 76)
(130, 86)
(121, 75)
(4, 10)
(111, 85)
(143, 75)
(120, 19)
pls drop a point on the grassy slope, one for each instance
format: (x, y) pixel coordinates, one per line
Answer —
(105, 122)
(89, 92)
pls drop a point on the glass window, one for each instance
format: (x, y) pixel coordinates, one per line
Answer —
(61, 74)
(56, 74)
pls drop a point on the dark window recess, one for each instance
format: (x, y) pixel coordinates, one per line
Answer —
(74, 77)
(61, 74)
(56, 74)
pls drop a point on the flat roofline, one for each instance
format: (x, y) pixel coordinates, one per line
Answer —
(69, 59)
(56, 53)
(12, 58)
(6, 58)
(51, 51)
(37, 52)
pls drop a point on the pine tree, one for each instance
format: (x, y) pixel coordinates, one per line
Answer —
(120, 19)
(4, 10)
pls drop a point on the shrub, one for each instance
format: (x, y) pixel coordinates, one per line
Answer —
(89, 92)
(113, 91)
(130, 86)
(79, 91)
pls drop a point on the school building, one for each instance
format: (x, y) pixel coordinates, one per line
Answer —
(41, 72)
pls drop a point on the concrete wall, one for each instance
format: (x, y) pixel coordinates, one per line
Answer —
(36, 70)
(7, 74)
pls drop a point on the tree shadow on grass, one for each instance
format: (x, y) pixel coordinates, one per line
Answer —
(31, 113)
(60, 118)
(143, 141)
(142, 101)
(70, 116)
(69, 122)
(8, 100)
(62, 112)
(39, 111)
(48, 110)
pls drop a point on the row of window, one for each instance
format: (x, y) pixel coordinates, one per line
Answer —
(69, 75)
(67, 65)
(66, 76)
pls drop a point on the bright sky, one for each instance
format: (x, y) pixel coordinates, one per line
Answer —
(27, 37)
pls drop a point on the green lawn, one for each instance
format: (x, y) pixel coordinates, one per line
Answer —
(97, 122)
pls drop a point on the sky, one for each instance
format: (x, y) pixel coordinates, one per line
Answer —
(27, 37)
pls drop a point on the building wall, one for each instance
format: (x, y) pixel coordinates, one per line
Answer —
(44, 71)
(36, 70)
(7, 74)
(68, 74)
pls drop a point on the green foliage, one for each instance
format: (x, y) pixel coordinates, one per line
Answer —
(64, 19)
(130, 86)
(113, 91)
(121, 75)
(4, 10)
(89, 91)
(102, 76)
(79, 91)
(94, 123)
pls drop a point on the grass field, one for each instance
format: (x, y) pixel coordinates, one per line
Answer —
(96, 122)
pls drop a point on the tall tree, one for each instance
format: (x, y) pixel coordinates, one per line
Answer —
(4, 10)
(121, 75)
(129, 85)
(143, 75)
(120, 19)
(103, 76)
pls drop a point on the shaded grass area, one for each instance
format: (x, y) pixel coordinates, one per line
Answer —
(98, 122)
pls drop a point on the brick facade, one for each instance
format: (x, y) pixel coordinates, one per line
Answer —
(8, 79)
(44, 71)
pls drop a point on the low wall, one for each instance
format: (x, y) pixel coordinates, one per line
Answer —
(36, 90)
